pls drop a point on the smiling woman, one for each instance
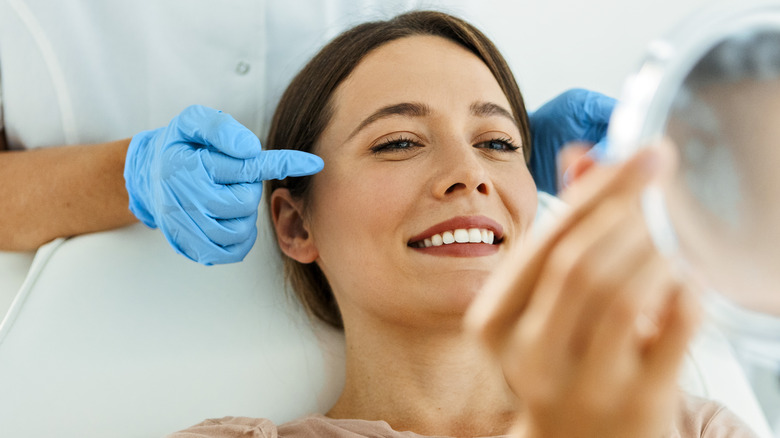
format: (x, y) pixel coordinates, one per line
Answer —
(448, 165)
(311, 102)
(424, 206)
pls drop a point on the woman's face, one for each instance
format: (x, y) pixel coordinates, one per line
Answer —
(421, 146)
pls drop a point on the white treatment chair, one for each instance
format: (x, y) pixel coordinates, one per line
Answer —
(113, 334)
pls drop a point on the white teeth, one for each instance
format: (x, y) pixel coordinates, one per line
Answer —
(460, 235)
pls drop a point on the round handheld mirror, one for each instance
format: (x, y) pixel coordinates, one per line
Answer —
(712, 88)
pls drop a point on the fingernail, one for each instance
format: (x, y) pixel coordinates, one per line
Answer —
(566, 178)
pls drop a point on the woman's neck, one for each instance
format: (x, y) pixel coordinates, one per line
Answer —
(432, 382)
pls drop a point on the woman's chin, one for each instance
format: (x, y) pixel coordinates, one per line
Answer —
(464, 289)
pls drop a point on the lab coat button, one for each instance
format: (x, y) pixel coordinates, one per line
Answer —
(242, 68)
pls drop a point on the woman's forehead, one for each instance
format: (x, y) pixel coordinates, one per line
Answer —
(424, 69)
(414, 64)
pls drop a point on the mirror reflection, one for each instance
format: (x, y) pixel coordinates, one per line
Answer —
(724, 200)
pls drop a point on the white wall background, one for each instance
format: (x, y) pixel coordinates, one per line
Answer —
(554, 45)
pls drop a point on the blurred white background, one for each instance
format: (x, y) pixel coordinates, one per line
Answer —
(555, 45)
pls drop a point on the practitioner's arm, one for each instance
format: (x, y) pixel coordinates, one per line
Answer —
(61, 191)
(199, 180)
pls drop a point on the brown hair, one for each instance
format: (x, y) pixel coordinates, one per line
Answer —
(305, 110)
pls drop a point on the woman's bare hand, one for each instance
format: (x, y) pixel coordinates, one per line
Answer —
(567, 316)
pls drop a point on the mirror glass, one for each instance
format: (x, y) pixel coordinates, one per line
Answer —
(724, 203)
(713, 89)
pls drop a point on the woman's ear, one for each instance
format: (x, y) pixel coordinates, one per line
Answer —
(291, 233)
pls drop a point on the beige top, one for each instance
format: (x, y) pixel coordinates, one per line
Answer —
(699, 418)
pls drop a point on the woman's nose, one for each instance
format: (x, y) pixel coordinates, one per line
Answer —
(460, 170)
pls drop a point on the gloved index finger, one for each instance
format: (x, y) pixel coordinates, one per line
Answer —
(210, 127)
(274, 164)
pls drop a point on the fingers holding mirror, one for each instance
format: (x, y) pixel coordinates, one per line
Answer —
(568, 310)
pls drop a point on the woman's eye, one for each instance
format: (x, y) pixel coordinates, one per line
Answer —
(498, 144)
(401, 144)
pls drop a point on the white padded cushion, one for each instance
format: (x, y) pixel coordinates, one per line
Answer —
(119, 336)
(13, 269)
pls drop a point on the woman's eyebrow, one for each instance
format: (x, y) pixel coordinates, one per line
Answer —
(416, 109)
(409, 109)
(489, 109)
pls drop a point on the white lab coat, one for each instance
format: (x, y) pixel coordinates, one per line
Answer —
(89, 71)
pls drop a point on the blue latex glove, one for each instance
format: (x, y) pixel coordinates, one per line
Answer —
(200, 181)
(575, 115)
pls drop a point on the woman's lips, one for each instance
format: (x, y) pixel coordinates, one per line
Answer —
(460, 250)
(462, 236)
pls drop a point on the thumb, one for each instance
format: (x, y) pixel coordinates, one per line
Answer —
(630, 177)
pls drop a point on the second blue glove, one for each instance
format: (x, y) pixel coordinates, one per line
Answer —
(575, 115)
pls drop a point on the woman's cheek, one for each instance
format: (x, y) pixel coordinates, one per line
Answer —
(360, 198)
(381, 191)
(517, 190)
